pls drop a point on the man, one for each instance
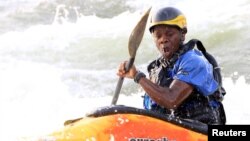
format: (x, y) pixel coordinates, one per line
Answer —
(181, 81)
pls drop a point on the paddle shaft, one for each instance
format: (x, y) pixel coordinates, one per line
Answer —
(120, 81)
(133, 44)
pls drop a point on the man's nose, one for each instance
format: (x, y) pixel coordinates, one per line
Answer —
(164, 39)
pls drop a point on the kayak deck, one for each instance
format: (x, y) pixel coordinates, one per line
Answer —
(122, 123)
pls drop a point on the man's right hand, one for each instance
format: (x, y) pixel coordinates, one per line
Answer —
(122, 72)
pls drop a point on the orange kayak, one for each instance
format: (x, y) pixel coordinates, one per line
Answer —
(122, 123)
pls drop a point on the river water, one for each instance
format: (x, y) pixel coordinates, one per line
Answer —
(58, 59)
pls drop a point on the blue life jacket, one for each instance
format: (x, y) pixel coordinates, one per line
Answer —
(195, 67)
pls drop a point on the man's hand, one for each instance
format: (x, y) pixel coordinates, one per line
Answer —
(122, 72)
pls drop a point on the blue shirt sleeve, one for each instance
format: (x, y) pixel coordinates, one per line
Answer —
(193, 68)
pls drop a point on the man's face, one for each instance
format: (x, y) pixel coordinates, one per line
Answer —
(167, 39)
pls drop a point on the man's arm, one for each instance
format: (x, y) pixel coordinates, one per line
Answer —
(169, 98)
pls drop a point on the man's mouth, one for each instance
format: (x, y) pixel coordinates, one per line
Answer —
(165, 49)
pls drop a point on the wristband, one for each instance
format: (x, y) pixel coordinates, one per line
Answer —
(138, 76)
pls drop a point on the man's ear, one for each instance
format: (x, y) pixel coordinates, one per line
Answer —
(183, 34)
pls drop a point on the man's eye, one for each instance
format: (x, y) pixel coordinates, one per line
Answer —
(169, 34)
(157, 36)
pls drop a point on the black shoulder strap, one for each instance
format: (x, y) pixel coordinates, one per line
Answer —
(191, 44)
(211, 60)
(208, 56)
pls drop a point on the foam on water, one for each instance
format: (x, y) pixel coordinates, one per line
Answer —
(51, 72)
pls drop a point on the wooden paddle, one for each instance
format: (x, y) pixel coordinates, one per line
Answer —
(133, 44)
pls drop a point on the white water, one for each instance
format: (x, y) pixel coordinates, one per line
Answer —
(48, 74)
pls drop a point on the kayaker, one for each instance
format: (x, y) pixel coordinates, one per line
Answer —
(180, 81)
